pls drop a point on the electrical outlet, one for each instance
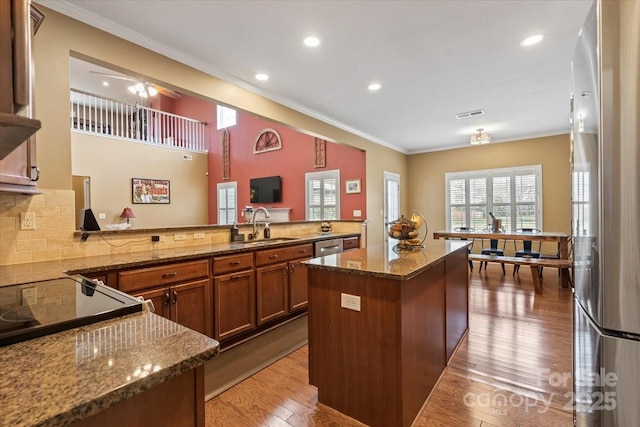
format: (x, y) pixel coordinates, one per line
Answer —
(155, 238)
(198, 236)
(179, 237)
(29, 296)
(351, 302)
(102, 215)
(357, 213)
(27, 221)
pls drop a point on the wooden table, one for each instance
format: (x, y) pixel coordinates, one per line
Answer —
(543, 236)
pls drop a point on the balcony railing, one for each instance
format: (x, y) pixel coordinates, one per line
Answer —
(110, 117)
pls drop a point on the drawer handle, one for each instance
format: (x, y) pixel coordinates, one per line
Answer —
(234, 263)
(169, 275)
(236, 277)
(302, 251)
(166, 299)
(274, 256)
(175, 297)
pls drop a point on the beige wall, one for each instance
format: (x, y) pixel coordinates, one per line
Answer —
(61, 36)
(98, 157)
(426, 176)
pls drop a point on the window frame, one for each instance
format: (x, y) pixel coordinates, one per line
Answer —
(227, 185)
(223, 115)
(330, 174)
(489, 175)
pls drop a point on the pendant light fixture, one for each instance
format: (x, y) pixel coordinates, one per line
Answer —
(480, 138)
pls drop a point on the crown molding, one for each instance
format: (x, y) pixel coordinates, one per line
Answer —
(89, 18)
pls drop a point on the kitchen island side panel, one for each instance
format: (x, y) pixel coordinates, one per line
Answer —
(353, 355)
(457, 299)
(422, 344)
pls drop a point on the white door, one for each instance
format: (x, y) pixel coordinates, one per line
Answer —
(391, 199)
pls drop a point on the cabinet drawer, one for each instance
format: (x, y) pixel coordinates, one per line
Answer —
(350, 243)
(144, 278)
(228, 264)
(270, 256)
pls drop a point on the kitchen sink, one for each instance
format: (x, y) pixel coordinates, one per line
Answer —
(266, 242)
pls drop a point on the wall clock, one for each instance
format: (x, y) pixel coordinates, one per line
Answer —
(267, 140)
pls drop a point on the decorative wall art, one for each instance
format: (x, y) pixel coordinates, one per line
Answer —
(226, 160)
(267, 140)
(319, 153)
(150, 191)
(352, 186)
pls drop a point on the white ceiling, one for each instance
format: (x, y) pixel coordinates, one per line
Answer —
(434, 59)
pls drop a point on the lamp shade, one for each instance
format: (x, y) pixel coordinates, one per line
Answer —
(127, 213)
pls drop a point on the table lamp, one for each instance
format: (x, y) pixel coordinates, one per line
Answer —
(127, 213)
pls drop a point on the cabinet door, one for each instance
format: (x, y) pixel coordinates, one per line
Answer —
(234, 304)
(272, 292)
(298, 285)
(191, 305)
(160, 298)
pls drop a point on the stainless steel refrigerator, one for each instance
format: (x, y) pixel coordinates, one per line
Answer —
(605, 154)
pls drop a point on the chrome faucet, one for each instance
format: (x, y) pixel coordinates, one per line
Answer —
(254, 235)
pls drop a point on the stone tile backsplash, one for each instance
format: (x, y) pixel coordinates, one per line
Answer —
(53, 237)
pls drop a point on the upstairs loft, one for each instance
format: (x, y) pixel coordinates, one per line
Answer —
(136, 123)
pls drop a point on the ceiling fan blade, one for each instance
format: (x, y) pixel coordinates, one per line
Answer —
(166, 92)
(113, 76)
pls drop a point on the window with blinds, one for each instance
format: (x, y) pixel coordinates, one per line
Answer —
(580, 199)
(513, 195)
(322, 195)
(227, 203)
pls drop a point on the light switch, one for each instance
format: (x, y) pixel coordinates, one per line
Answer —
(357, 213)
(102, 215)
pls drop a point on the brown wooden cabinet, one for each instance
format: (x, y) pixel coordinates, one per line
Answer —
(179, 291)
(275, 272)
(19, 21)
(349, 243)
(234, 301)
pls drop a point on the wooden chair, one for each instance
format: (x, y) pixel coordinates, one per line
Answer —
(527, 247)
(467, 229)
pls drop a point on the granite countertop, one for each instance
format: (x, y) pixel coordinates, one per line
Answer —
(383, 261)
(45, 270)
(60, 378)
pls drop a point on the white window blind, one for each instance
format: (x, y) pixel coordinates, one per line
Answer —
(322, 195)
(580, 199)
(227, 203)
(513, 195)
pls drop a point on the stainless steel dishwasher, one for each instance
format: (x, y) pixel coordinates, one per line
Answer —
(327, 247)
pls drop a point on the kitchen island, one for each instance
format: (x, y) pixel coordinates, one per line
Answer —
(383, 325)
(136, 370)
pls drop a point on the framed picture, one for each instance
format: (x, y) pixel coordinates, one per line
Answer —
(352, 186)
(152, 191)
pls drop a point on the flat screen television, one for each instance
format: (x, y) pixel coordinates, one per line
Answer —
(266, 190)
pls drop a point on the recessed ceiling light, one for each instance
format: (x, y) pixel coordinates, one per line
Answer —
(374, 87)
(105, 83)
(262, 77)
(530, 41)
(312, 41)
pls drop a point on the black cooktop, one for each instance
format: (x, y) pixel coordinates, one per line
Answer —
(35, 309)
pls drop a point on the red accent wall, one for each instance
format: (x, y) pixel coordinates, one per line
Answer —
(291, 163)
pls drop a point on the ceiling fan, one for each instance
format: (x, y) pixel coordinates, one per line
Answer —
(144, 89)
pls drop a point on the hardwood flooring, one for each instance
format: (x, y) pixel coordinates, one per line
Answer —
(512, 369)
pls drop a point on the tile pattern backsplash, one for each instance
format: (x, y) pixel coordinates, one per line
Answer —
(53, 238)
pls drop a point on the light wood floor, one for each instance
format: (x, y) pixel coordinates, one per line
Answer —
(511, 370)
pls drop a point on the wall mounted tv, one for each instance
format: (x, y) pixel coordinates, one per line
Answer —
(266, 190)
